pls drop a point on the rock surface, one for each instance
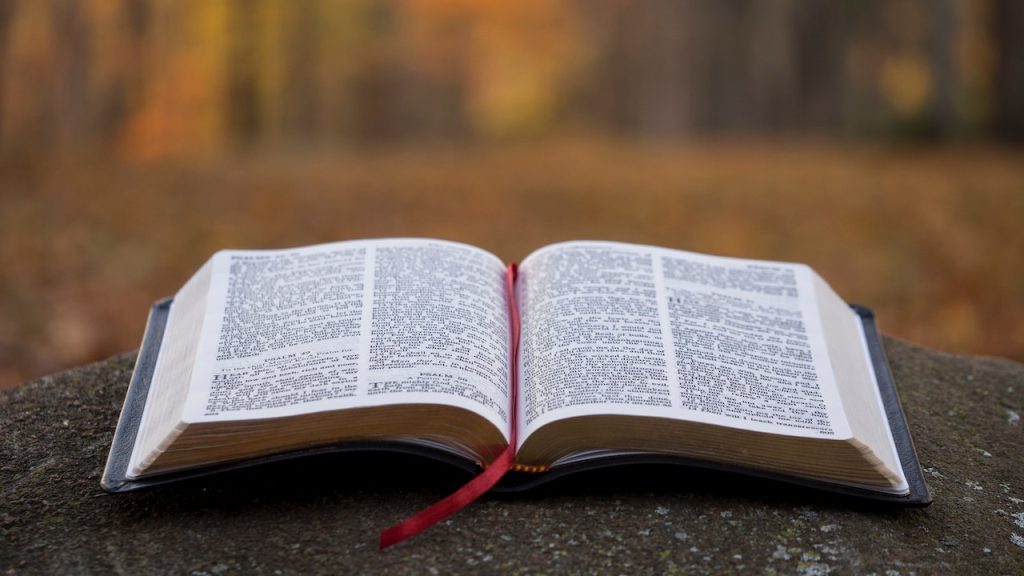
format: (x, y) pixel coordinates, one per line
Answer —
(324, 515)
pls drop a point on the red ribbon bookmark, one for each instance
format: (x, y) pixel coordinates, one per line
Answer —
(452, 504)
(489, 477)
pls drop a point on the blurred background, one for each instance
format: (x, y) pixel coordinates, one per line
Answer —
(878, 141)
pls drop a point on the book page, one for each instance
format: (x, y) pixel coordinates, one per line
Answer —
(610, 328)
(353, 324)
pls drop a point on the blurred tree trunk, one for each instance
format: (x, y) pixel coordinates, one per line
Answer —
(300, 107)
(662, 103)
(773, 100)
(243, 97)
(943, 41)
(721, 85)
(377, 89)
(644, 71)
(613, 77)
(6, 17)
(1009, 88)
(71, 113)
(821, 36)
(125, 96)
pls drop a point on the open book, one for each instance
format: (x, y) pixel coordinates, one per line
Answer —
(593, 353)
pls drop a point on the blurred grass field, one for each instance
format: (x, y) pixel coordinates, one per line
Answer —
(930, 238)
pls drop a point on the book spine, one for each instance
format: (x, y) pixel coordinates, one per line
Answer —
(511, 275)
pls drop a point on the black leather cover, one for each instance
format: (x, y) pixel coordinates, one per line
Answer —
(115, 480)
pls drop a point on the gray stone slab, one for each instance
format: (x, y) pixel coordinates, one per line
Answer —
(324, 515)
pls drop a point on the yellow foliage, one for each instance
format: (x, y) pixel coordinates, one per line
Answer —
(906, 83)
(519, 55)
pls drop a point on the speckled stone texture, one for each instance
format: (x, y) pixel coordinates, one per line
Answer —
(323, 515)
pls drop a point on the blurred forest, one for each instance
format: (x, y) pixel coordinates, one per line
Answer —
(878, 141)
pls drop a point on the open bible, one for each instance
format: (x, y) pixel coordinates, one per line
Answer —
(591, 354)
